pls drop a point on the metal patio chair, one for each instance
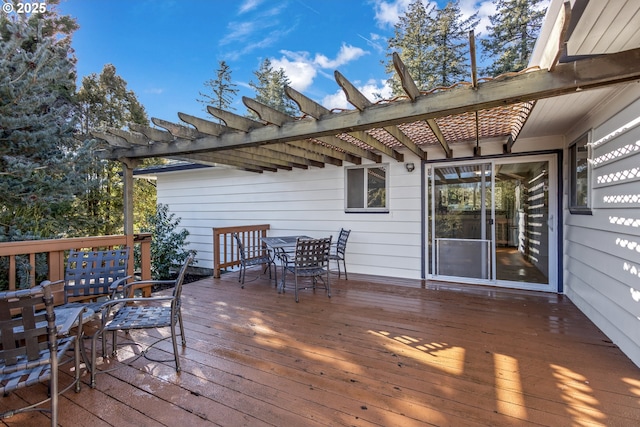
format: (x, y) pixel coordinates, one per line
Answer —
(337, 253)
(310, 259)
(91, 277)
(127, 314)
(259, 256)
(32, 346)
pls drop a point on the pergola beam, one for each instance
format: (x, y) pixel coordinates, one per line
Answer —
(411, 89)
(178, 131)
(234, 121)
(152, 133)
(349, 148)
(203, 126)
(131, 137)
(358, 100)
(567, 78)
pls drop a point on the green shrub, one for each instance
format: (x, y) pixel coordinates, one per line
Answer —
(168, 250)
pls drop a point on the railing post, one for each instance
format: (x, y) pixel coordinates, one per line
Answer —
(144, 240)
(216, 253)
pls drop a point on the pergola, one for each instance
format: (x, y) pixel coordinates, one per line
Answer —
(463, 114)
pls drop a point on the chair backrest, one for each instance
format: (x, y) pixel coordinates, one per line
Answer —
(341, 244)
(25, 329)
(90, 273)
(177, 290)
(243, 255)
(312, 253)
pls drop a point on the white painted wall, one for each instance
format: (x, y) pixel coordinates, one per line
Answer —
(602, 250)
(295, 202)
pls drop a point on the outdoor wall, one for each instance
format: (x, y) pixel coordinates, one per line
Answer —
(602, 250)
(309, 202)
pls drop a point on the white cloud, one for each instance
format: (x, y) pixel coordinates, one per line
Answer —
(387, 12)
(300, 73)
(346, 54)
(249, 5)
(370, 89)
(484, 8)
(301, 70)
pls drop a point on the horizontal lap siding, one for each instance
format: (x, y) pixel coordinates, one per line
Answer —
(602, 250)
(300, 202)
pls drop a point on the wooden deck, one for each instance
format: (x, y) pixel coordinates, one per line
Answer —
(384, 352)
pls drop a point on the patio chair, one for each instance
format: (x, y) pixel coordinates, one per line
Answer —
(94, 276)
(143, 313)
(310, 259)
(260, 256)
(337, 253)
(32, 347)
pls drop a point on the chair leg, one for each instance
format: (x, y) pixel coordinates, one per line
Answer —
(94, 338)
(296, 289)
(329, 283)
(275, 274)
(175, 346)
(53, 387)
(344, 263)
(184, 339)
(76, 356)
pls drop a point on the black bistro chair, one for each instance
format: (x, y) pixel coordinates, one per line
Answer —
(337, 253)
(259, 256)
(310, 259)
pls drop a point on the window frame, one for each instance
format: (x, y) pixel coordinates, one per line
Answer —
(574, 158)
(365, 208)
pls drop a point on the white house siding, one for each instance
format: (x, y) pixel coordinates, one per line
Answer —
(602, 250)
(295, 202)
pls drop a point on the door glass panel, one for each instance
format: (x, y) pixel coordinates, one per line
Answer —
(462, 220)
(522, 222)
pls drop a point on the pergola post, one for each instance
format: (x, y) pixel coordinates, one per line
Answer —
(128, 165)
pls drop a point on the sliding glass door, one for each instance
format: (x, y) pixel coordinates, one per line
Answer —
(493, 222)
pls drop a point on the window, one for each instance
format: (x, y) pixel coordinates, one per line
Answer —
(579, 202)
(366, 189)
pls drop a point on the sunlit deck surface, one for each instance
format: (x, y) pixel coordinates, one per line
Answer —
(381, 351)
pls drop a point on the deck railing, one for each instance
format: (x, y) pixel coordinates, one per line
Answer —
(56, 249)
(225, 249)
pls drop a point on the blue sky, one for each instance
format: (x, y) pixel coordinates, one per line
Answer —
(167, 49)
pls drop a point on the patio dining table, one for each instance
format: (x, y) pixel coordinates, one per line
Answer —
(281, 246)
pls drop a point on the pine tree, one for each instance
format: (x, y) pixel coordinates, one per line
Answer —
(270, 89)
(451, 45)
(413, 35)
(37, 83)
(104, 101)
(512, 35)
(433, 44)
(222, 90)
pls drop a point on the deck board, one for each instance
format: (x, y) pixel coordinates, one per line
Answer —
(380, 352)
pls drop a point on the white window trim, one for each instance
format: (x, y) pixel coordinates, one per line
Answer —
(364, 189)
(575, 209)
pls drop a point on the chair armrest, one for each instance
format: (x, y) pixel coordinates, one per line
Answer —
(117, 283)
(130, 287)
(51, 283)
(108, 304)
